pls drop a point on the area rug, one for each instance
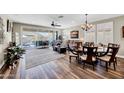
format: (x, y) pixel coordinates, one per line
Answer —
(36, 57)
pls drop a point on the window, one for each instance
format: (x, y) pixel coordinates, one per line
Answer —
(90, 35)
(105, 33)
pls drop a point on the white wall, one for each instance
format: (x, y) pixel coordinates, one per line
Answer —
(7, 39)
(67, 31)
(118, 23)
(17, 33)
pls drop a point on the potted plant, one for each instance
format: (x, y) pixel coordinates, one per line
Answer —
(12, 54)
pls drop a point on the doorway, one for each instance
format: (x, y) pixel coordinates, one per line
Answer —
(33, 39)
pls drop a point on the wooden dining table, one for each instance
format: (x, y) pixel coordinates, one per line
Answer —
(101, 50)
(79, 51)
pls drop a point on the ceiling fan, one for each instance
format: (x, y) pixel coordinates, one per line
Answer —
(55, 24)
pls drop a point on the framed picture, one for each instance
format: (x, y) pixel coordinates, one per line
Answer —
(123, 31)
(74, 34)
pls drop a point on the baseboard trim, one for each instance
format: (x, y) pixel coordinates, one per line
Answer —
(120, 56)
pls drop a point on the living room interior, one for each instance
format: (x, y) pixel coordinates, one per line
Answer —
(58, 46)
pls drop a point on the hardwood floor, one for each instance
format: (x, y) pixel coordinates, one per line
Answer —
(62, 69)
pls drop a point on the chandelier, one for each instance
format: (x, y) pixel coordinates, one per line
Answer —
(86, 26)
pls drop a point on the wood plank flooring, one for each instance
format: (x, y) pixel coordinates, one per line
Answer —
(62, 69)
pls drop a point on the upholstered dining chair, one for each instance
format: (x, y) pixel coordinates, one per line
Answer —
(88, 44)
(111, 58)
(112, 45)
(72, 53)
(90, 56)
(110, 51)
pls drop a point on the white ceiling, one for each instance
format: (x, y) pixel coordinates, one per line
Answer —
(67, 21)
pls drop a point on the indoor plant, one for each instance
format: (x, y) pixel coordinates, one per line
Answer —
(12, 54)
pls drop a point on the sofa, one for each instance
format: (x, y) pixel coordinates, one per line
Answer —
(42, 44)
(59, 47)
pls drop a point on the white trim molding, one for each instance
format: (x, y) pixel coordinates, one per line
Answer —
(120, 56)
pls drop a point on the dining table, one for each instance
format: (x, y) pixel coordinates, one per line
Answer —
(101, 50)
(80, 51)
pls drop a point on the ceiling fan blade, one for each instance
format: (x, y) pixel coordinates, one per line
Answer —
(57, 25)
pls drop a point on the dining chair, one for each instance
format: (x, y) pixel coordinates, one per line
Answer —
(110, 58)
(88, 44)
(112, 45)
(90, 56)
(110, 51)
(72, 53)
